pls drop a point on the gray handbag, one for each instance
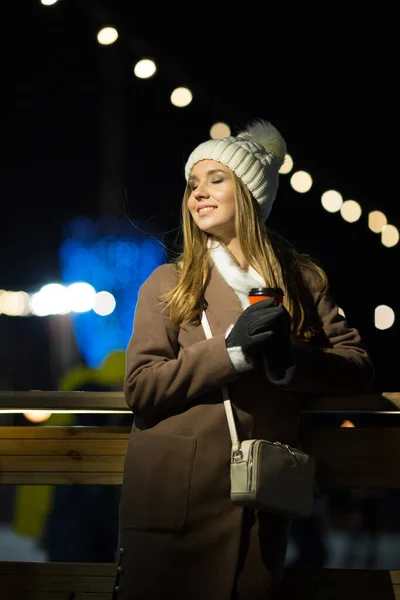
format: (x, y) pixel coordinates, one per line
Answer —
(266, 475)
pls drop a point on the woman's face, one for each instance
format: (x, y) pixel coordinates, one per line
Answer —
(212, 199)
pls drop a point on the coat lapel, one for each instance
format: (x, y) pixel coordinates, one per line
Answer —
(223, 304)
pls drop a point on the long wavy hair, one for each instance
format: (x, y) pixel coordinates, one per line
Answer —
(272, 256)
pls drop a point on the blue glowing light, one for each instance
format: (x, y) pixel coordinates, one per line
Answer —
(112, 256)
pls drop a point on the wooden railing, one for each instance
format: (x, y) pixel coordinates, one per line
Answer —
(367, 457)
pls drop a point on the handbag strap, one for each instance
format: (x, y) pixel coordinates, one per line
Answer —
(225, 395)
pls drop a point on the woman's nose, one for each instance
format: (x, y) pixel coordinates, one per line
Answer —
(201, 191)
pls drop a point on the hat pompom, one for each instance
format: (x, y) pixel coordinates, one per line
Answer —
(266, 135)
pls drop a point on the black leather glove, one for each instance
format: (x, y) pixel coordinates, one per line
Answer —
(278, 350)
(252, 329)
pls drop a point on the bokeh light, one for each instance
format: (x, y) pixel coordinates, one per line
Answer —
(37, 416)
(219, 130)
(287, 165)
(376, 221)
(107, 36)
(104, 304)
(145, 68)
(350, 211)
(332, 201)
(301, 182)
(115, 258)
(384, 317)
(181, 97)
(389, 236)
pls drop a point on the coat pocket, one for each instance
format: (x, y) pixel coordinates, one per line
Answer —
(156, 483)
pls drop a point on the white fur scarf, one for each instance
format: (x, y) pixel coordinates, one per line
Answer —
(240, 281)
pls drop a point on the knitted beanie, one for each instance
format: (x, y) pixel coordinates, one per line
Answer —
(254, 155)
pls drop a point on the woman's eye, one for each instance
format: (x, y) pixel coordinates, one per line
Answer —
(217, 181)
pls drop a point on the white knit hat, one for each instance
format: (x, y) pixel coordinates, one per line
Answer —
(255, 155)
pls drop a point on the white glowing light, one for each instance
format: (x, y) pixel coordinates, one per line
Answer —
(384, 317)
(287, 165)
(107, 36)
(81, 296)
(301, 182)
(14, 304)
(145, 68)
(48, 2)
(181, 97)
(390, 236)
(350, 211)
(104, 304)
(51, 299)
(332, 201)
(37, 416)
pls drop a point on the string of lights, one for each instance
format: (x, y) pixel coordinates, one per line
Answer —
(301, 181)
(79, 297)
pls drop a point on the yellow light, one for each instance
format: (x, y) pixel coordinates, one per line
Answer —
(219, 130)
(107, 36)
(301, 182)
(331, 201)
(384, 317)
(287, 165)
(37, 416)
(376, 221)
(145, 68)
(181, 97)
(350, 211)
(390, 236)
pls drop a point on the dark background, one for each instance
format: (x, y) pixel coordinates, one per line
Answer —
(81, 135)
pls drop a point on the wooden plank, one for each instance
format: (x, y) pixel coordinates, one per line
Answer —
(62, 581)
(64, 433)
(55, 583)
(64, 401)
(61, 464)
(57, 580)
(73, 448)
(346, 457)
(49, 478)
(73, 569)
(32, 595)
(115, 401)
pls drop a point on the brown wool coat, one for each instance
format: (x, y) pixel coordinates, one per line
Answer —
(181, 536)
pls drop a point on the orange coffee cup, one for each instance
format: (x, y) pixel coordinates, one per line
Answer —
(263, 293)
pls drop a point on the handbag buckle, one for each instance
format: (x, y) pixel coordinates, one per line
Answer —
(237, 456)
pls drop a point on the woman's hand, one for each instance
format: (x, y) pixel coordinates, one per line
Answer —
(252, 329)
(277, 349)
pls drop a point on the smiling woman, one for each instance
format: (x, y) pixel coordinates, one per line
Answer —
(181, 535)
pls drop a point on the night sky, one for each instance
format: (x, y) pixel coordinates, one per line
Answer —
(82, 136)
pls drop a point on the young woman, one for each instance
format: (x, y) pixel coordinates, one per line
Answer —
(180, 535)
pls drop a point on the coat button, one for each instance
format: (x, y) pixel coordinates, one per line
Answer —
(122, 550)
(117, 589)
(119, 569)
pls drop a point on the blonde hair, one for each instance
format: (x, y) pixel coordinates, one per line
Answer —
(273, 257)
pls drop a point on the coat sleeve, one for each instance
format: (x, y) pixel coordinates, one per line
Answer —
(341, 365)
(160, 375)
